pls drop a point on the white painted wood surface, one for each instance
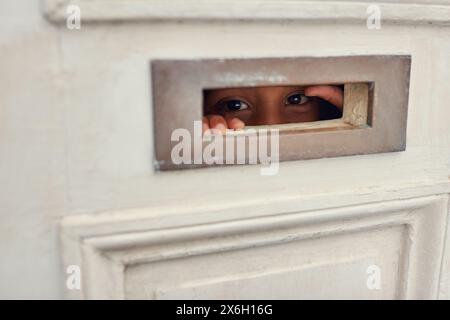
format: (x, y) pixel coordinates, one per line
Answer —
(76, 149)
(404, 11)
(314, 254)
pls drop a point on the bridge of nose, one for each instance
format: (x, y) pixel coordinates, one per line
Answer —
(269, 107)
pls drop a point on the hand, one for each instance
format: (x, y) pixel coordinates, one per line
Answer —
(218, 122)
(332, 94)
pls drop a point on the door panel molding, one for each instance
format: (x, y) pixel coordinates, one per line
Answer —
(106, 252)
(400, 12)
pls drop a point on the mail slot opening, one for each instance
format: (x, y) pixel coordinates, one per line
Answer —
(290, 106)
(373, 117)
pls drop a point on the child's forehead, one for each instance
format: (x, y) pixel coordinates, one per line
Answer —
(255, 90)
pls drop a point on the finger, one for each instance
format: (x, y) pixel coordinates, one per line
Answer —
(332, 94)
(217, 122)
(235, 123)
(205, 124)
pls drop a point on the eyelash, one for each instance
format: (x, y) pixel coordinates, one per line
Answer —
(222, 105)
(303, 99)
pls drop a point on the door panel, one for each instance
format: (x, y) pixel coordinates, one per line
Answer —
(390, 250)
(330, 267)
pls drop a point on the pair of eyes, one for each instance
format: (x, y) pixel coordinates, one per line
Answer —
(235, 104)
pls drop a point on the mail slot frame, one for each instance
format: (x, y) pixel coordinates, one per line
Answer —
(388, 76)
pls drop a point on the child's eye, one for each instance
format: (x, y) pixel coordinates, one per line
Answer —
(296, 98)
(233, 105)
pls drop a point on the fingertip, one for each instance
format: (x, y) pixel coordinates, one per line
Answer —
(205, 124)
(311, 91)
(218, 122)
(235, 124)
(205, 128)
(221, 127)
(332, 94)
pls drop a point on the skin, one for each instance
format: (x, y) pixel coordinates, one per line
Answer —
(266, 105)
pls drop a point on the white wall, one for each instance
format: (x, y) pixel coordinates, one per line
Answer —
(32, 153)
(76, 129)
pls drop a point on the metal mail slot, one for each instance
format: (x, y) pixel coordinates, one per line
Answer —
(374, 113)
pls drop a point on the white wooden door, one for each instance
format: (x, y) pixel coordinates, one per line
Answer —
(366, 226)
